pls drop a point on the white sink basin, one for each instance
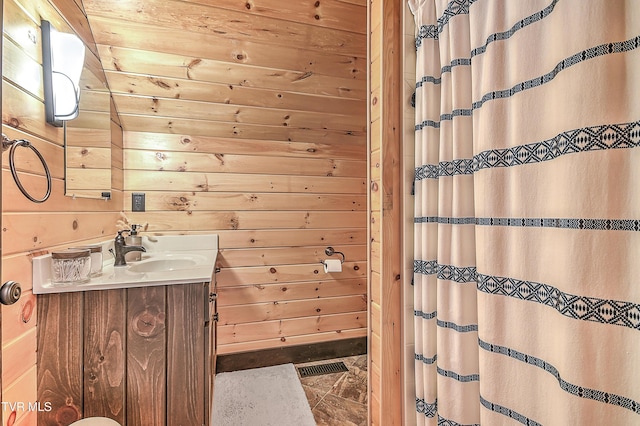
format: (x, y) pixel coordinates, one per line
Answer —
(169, 259)
(159, 265)
(160, 262)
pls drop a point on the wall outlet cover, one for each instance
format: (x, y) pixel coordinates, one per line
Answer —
(137, 201)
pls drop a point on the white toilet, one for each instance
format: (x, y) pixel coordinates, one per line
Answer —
(95, 421)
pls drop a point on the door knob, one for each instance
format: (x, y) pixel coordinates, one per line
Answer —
(10, 292)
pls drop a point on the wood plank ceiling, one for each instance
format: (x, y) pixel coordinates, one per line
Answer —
(250, 69)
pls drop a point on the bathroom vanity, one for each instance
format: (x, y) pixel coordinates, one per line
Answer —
(137, 344)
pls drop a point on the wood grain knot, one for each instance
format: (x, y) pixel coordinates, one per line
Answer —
(74, 225)
(147, 324)
(356, 268)
(374, 186)
(273, 270)
(27, 311)
(67, 414)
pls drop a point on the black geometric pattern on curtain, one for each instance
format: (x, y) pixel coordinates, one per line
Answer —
(459, 328)
(594, 138)
(582, 392)
(459, 377)
(614, 312)
(508, 412)
(538, 222)
(429, 410)
(458, 7)
(446, 272)
(591, 53)
(587, 54)
(426, 360)
(446, 422)
(425, 315)
(432, 32)
(531, 19)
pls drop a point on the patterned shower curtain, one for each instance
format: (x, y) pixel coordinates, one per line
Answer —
(527, 212)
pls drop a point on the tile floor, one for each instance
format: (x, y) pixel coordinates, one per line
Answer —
(338, 399)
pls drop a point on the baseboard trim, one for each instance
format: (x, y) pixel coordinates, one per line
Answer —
(291, 354)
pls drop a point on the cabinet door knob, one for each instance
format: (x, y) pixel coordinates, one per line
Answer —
(10, 292)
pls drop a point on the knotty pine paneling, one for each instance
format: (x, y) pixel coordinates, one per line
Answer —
(239, 295)
(200, 162)
(195, 72)
(297, 340)
(30, 229)
(277, 329)
(248, 119)
(278, 255)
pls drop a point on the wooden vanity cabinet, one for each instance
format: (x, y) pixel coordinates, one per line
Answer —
(141, 356)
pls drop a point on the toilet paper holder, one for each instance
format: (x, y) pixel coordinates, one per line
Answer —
(330, 251)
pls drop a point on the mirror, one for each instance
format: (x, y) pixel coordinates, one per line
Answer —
(87, 138)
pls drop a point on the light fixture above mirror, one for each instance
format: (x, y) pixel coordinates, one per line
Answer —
(62, 63)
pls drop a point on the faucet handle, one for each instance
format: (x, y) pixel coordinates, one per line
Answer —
(120, 237)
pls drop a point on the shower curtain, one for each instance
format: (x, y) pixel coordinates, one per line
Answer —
(527, 212)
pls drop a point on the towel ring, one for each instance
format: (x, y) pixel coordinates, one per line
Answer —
(13, 144)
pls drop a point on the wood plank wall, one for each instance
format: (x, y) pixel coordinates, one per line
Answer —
(248, 119)
(386, 311)
(408, 171)
(31, 229)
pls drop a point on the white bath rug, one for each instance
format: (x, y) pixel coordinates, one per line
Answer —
(269, 396)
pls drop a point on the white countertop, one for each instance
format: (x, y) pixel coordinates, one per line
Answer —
(188, 259)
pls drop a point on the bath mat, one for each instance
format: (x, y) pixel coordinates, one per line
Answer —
(269, 396)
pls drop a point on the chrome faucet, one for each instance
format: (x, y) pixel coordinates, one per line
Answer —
(121, 248)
